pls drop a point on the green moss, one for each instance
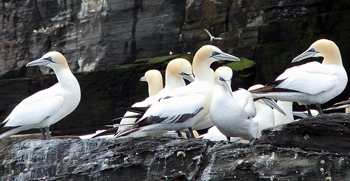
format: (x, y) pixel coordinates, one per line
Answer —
(241, 65)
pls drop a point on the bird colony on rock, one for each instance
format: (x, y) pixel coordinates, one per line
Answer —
(207, 102)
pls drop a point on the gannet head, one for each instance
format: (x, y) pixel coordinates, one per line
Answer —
(253, 87)
(322, 48)
(182, 67)
(212, 53)
(223, 75)
(152, 76)
(155, 81)
(54, 60)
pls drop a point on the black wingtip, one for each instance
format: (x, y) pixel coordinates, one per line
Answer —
(107, 132)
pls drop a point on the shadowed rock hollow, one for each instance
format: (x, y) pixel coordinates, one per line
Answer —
(310, 149)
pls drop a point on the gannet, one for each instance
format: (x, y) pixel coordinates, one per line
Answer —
(206, 122)
(284, 118)
(185, 106)
(310, 83)
(212, 37)
(177, 70)
(47, 106)
(227, 114)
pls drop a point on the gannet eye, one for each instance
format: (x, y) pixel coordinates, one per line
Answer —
(222, 79)
(214, 53)
(312, 50)
(49, 59)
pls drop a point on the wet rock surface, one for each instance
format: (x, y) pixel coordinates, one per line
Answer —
(311, 149)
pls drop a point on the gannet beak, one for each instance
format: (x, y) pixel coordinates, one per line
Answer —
(226, 84)
(189, 77)
(307, 54)
(342, 102)
(143, 79)
(301, 114)
(41, 61)
(224, 56)
(273, 105)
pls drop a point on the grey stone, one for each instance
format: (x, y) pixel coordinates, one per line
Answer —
(309, 149)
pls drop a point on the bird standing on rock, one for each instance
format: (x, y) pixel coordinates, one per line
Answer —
(227, 113)
(185, 106)
(310, 83)
(47, 106)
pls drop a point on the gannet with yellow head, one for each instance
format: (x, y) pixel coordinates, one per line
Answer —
(310, 83)
(183, 107)
(47, 106)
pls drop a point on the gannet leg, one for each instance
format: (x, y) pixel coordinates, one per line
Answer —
(43, 133)
(319, 109)
(308, 110)
(179, 134)
(47, 133)
(191, 133)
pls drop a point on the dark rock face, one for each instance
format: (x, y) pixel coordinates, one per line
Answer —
(311, 149)
(91, 34)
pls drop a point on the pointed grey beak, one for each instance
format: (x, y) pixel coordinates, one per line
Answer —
(307, 54)
(227, 84)
(343, 102)
(143, 79)
(273, 105)
(188, 77)
(41, 61)
(337, 107)
(301, 114)
(225, 56)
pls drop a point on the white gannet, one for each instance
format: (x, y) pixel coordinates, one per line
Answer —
(211, 36)
(206, 122)
(226, 112)
(288, 109)
(47, 106)
(310, 83)
(185, 106)
(177, 70)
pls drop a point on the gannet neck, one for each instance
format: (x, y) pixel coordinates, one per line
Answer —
(173, 81)
(201, 70)
(154, 80)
